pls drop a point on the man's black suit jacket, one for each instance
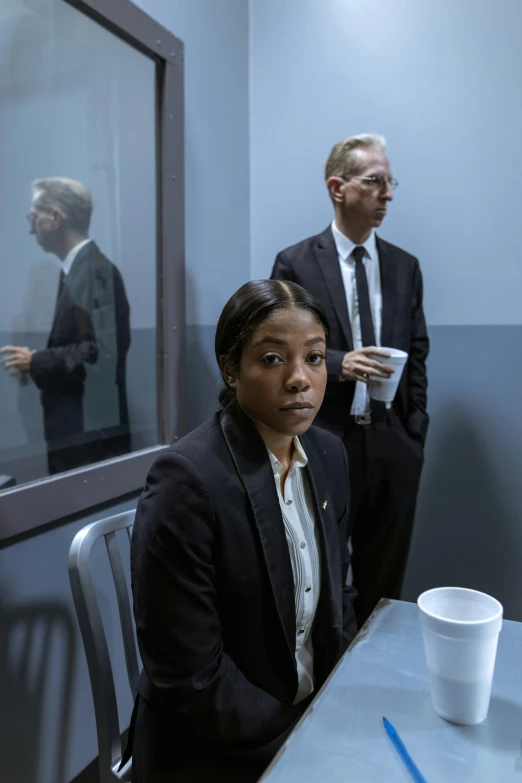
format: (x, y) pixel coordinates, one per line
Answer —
(214, 595)
(314, 265)
(91, 327)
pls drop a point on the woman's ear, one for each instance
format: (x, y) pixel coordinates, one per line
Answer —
(229, 376)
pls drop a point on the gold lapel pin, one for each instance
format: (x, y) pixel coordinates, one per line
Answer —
(325, 504)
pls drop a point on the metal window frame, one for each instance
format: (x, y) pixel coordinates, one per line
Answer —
(30, 506)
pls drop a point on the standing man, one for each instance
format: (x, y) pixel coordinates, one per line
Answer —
(81, 371)
(372, 294)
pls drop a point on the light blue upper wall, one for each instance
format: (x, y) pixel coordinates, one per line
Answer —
(217, 162)
(442, 80)
(215, 34)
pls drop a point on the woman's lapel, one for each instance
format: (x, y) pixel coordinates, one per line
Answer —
(251, 459)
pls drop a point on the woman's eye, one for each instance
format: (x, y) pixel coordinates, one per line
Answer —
(271, 358)
(316, 358)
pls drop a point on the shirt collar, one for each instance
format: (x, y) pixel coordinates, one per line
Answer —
(345, 246)
(299, 458)
(69, 259)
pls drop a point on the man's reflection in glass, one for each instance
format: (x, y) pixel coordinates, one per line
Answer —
(81, 372)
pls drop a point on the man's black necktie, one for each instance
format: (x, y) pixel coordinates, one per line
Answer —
(363, 296)
(378, 409)
(61, 284)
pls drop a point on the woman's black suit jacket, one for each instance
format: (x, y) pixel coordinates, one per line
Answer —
(214, 600)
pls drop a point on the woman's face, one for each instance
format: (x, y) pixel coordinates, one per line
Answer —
(282, 376)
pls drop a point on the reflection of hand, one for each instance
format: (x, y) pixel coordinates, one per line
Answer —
(357, 365)
(18, 360)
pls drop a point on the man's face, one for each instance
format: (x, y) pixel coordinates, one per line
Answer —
(361, 199)
(44, 224)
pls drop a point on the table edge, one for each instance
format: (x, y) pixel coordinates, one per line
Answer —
(361, 635)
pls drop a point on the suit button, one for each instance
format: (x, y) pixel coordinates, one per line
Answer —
(308, 588)
(302, 545)
(288, 502)
(301, 630)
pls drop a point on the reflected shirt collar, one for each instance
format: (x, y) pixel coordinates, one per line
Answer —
(69, 259)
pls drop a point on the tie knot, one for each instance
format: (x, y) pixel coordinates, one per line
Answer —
(358, 253)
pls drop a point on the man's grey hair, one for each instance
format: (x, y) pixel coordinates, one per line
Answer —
(69, 196)
(343, 160)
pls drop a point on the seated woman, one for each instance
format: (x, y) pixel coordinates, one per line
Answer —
(239, 554)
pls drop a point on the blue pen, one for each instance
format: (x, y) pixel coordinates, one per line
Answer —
(400, 747)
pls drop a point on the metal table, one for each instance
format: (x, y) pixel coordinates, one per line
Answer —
(341, 737)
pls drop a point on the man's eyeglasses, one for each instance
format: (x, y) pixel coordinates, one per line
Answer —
(377, 181)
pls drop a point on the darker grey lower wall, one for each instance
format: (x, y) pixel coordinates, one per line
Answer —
(468, 532)
(47, 728)
(469, 520)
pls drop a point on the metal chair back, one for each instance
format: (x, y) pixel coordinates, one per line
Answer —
(95, 640)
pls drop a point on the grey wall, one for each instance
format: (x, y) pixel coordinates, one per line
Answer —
(49, 734)
(442, 80)
(215, 33)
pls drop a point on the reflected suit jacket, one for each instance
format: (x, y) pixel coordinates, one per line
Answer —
(314, 265)
(214, 593)
(91, 327)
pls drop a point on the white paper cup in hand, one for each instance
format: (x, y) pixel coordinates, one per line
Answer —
(387, 390)
(460, 629)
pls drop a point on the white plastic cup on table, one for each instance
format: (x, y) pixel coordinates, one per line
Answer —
(460, 629)
(388, 386)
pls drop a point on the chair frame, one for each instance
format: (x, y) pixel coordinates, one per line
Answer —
(95, 640)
